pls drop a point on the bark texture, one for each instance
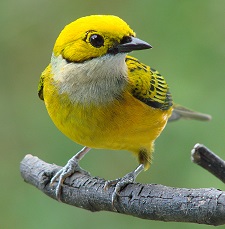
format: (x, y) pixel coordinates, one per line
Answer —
(147, 201)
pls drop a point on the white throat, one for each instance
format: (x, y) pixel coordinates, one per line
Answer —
(97, 81)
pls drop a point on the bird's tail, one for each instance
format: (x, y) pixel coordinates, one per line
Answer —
(180, 112)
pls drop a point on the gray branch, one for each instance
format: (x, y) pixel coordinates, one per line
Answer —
(147, 201)
(208, 160)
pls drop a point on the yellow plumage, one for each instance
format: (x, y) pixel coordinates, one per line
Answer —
(98, 96)
(124, 123)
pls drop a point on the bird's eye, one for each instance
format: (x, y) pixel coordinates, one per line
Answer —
(96, 40)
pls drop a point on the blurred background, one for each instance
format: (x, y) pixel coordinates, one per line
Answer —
(189, 50)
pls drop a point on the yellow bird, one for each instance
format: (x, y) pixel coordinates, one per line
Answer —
(100, 97)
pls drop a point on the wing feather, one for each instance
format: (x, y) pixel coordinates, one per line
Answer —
(148, 85)
(44, 74)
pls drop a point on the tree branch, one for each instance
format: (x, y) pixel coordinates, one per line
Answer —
(205, 158)
(149, 201)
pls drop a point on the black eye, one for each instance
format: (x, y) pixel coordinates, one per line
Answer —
(96, 40)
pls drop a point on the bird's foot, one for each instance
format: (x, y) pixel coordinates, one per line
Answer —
(122, 182)
(70, 168)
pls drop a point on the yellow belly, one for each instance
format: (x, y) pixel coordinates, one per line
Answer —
(123, 124)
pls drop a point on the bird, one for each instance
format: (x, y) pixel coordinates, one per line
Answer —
(101, 97)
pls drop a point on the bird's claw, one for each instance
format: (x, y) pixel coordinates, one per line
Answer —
(120, 184)
(70, 168)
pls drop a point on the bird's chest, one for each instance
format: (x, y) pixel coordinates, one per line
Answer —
(118, 124)
(83, 113)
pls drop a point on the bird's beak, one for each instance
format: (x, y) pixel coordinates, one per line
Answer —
(129, 44)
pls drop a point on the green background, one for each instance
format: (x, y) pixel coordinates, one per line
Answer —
(189, 50)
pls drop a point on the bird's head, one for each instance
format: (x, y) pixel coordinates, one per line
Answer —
(95, 36)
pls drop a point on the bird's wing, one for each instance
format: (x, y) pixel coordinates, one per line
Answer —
(148, 85)
(41, 82)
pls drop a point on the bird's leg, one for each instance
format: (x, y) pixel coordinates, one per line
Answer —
(71, 167)
(122, 182)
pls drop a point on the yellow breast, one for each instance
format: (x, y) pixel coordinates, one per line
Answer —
(125, 123)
